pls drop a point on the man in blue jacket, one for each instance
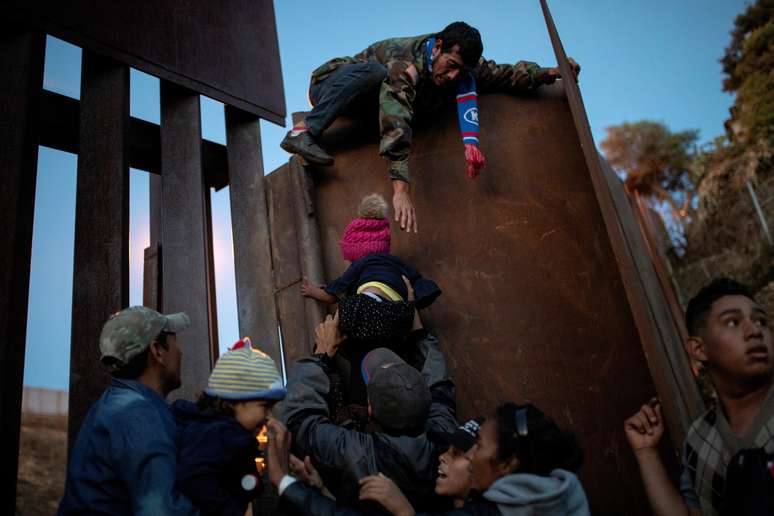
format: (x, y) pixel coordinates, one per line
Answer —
(124, 459)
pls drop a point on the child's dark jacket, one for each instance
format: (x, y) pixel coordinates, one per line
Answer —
(215, 453)
(387, 269)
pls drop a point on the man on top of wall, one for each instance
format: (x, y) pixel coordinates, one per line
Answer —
(413, 76)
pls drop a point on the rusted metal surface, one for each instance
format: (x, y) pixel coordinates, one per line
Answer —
(668, 361)
(225, 49)
(21, 80)
(308, 238)
(534, 306)
(286, 262)
(256, 308)
(185, 239)
(153, 266)
(101, 262)
(658, 333)
(59, 121)
(151, 277)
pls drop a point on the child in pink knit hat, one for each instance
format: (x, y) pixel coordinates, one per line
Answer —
(375, 305)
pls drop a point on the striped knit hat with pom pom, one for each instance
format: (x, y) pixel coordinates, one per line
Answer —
(245, 373)
(370, 232)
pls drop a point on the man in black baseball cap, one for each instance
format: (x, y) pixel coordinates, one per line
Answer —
(454, 478)
(405, 405)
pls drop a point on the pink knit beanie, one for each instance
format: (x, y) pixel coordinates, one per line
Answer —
(365, 236)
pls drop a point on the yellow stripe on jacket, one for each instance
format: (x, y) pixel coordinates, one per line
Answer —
(388, 290)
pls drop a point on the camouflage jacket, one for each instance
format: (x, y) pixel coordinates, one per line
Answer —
(403, 96)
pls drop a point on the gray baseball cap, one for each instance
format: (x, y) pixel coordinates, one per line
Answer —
(129, 332)
(398, 394)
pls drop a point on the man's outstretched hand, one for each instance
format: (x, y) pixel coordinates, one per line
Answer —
(475, 159)
(404, 206)
(556, 73)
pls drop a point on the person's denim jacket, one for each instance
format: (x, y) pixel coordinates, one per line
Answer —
(124, 459)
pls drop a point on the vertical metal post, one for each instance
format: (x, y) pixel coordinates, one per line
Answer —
(759, 212)
(309, 248)
(257, 310)
(152, 293)
(21, 80)
(280, 199)
(101, 264)
(185, 241)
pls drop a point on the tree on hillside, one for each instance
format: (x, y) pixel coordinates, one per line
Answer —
(748, 64)
(655, 162)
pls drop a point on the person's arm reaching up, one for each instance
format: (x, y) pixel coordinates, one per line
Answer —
(644, 431)
(443, 409)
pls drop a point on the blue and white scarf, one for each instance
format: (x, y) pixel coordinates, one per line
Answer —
(467, 100)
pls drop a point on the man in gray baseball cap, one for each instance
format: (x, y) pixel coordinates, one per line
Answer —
(397, 393)
(124, 458)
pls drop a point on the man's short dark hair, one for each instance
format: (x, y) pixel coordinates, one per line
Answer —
(467, 37)
(701, 304)
(137, 365)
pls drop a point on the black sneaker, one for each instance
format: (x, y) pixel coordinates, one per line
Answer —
(304, 144)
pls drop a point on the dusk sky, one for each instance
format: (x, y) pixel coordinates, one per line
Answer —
(640, 60)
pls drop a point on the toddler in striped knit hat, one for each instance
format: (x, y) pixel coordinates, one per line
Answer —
(218, 451)
(372, 295)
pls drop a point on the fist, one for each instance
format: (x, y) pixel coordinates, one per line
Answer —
(644, 429)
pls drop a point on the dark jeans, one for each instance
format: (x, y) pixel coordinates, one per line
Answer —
(348, 86)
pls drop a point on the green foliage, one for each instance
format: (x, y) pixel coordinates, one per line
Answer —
(756, 16)
(748, 64)
(656, 162)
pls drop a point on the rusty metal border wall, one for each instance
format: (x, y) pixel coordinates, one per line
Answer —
(179, 273)
(659, 328)
(604, 279)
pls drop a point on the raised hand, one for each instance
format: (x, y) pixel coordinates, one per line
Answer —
(384, 491)
(645, 428)
(327, 335)
(278, 460)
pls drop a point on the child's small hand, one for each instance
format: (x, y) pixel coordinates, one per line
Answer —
(307, 290)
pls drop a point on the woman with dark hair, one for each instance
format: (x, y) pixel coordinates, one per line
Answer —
(524, 464)
(521, 464)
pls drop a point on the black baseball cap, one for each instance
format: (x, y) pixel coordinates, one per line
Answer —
(464, 436)
(398, 394)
